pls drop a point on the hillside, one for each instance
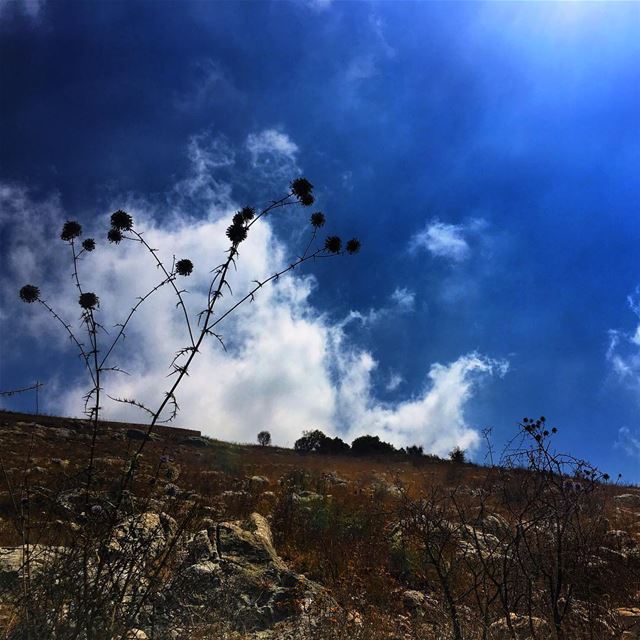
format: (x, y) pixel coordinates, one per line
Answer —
(182, 536)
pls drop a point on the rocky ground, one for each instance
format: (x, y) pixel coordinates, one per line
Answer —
(227, 541)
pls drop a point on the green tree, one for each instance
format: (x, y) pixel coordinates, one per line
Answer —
(310, 442)
(458, 455)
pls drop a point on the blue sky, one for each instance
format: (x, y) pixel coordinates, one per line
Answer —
(486, 154)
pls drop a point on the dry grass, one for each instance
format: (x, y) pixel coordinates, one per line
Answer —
(345, 539)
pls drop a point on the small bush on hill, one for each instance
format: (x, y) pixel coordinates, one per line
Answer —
(264, 438)
(368, 445)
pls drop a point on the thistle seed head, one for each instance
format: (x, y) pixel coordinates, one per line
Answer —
(114, 235)
(306, 200)
(302, 189)
(184, 267)
(88, 300)
(236, 233)
(70, 230)
(248, 213)
(353, 246)
(333, 244)
(317, 219)
(121, 220)
(29, 293)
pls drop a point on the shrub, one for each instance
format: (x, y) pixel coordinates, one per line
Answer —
(371, 445)
(458, 455)
(310, 442)
(333, 446)
(264, 438)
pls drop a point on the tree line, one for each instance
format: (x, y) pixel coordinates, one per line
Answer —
(315, 441)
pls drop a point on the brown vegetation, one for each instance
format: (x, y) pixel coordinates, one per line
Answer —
(539, 547)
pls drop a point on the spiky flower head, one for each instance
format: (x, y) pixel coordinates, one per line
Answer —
(237, 233)
(29, 293)
(70, 230)
(184, 267)
(306, 200)
(353, 246)
(317, 219)
(89, 244)
(238, 219)
(333, 244)
(114, 235)
(88, 300)
(302, 189)
(248, 213)
(121, 220)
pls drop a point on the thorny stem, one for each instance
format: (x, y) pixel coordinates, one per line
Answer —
(170, 279)
(91, 328)
(311, 239)
(260, 284)
(123, 326)
(183, 370)
(76, 276)
(12, 392)
(93, 336)
(283, 202)
(221, 278)
(67, 328)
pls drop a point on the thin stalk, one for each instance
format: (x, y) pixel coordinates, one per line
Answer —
(170, 279)
(128, 318)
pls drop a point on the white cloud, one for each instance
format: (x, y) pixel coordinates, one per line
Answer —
(623, 356)
(269, 142)
(369, 61)
(628, 441)
(378, 27)
(288, 366)
(403, 298)
(394, 381)
(444, 240)
(623, 352)
(273, 154)
(208, 153)
(434, 418)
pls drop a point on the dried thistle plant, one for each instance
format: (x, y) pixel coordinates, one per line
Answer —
(96, 354)
(100, 606)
